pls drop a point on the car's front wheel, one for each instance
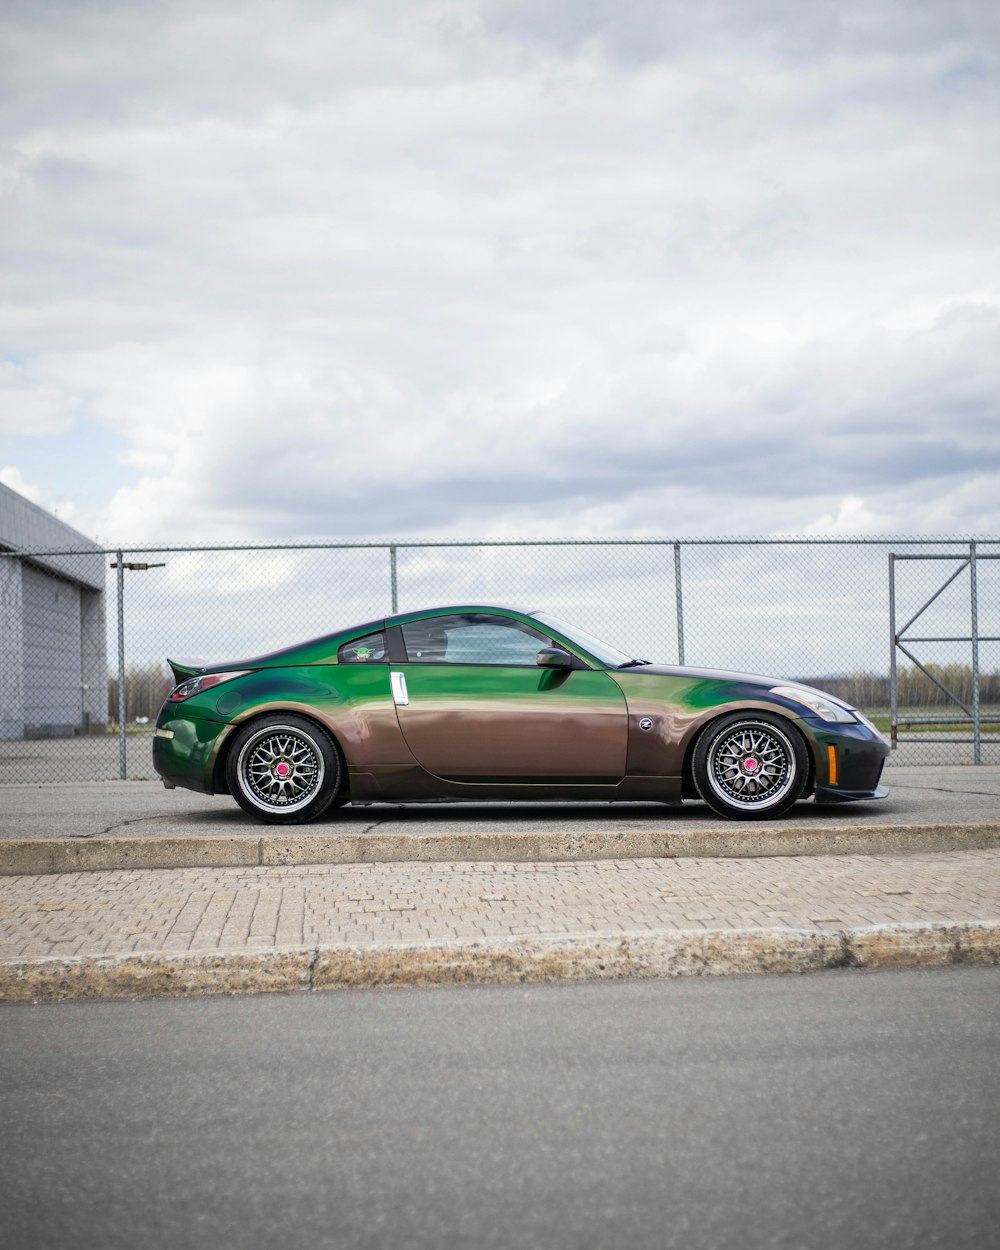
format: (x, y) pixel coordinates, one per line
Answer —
(750, 766)
(285, 770)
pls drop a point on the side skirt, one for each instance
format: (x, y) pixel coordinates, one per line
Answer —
(412, 784)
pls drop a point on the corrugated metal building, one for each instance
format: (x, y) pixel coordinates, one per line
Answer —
(53, 650)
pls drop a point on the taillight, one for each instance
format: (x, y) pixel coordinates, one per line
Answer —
(198, 685)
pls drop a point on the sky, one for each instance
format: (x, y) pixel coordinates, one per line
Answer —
(501, 268)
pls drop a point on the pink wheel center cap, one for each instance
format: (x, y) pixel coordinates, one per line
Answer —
(283, 769)
(750, 765)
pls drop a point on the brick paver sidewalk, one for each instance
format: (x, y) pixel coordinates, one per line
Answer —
(253, 909)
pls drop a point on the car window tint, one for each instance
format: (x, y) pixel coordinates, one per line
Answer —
(472, 640)
(367, 650)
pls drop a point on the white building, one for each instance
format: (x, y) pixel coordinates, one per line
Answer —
(53, 652)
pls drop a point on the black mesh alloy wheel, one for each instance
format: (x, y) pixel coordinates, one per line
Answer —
(284, 770)
(750, 766)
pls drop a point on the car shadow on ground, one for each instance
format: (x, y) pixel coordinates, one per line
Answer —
(582, 813)
(488, 817)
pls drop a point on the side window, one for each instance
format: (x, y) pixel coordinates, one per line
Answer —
(367, 650)
(473, 639)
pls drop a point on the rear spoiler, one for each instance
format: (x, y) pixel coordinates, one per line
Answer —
(182, 671)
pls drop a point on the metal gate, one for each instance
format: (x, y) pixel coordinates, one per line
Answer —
(969, 714)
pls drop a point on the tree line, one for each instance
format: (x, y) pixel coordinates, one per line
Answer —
(913, 687)
(146, 687)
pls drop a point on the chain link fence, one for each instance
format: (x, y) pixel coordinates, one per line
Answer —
(83, 672)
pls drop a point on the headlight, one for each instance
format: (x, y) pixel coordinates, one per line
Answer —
(872, 728)
(197, 685)
(826, 708)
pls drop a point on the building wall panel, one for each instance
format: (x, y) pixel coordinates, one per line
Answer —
(52, 654)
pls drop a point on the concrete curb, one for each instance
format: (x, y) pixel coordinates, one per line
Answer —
(33, 856)
(499, 962)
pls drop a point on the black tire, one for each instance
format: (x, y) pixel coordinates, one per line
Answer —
(750, 766)
(284, 770)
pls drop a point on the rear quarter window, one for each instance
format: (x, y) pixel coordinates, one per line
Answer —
(367, 650)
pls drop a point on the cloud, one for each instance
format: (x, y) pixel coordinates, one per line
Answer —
(852, 517)
(64, 509)
(431, 267)
(31, 407)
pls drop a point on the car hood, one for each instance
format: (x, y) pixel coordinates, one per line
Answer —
(753, 681)
(706, 674)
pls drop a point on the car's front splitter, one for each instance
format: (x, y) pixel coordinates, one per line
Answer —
(836, 794)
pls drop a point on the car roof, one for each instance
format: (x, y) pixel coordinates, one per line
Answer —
(456, 609)
(316, 650)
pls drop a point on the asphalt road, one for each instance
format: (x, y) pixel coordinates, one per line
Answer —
(946, 795)
(827, 1111)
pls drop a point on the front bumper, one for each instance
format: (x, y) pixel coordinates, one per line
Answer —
(852, 769)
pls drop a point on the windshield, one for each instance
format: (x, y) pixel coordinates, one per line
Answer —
(599, 650)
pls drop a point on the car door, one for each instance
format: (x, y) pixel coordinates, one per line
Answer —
(474, 705)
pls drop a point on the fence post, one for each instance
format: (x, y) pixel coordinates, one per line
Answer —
(977, 745)
(893, 679)
(120, 569)
(394, 588)
(680, 603)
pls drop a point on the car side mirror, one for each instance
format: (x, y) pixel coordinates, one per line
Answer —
(552, 657)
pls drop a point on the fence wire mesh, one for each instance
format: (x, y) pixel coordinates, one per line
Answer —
(83, 643)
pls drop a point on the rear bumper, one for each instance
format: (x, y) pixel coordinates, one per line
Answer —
(185, 750)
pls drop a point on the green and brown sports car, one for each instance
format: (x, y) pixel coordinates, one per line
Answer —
(476, 703)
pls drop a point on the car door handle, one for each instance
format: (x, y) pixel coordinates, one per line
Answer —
(399, 694)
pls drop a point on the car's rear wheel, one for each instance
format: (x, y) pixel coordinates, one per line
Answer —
(285, 770)
(750, 766)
